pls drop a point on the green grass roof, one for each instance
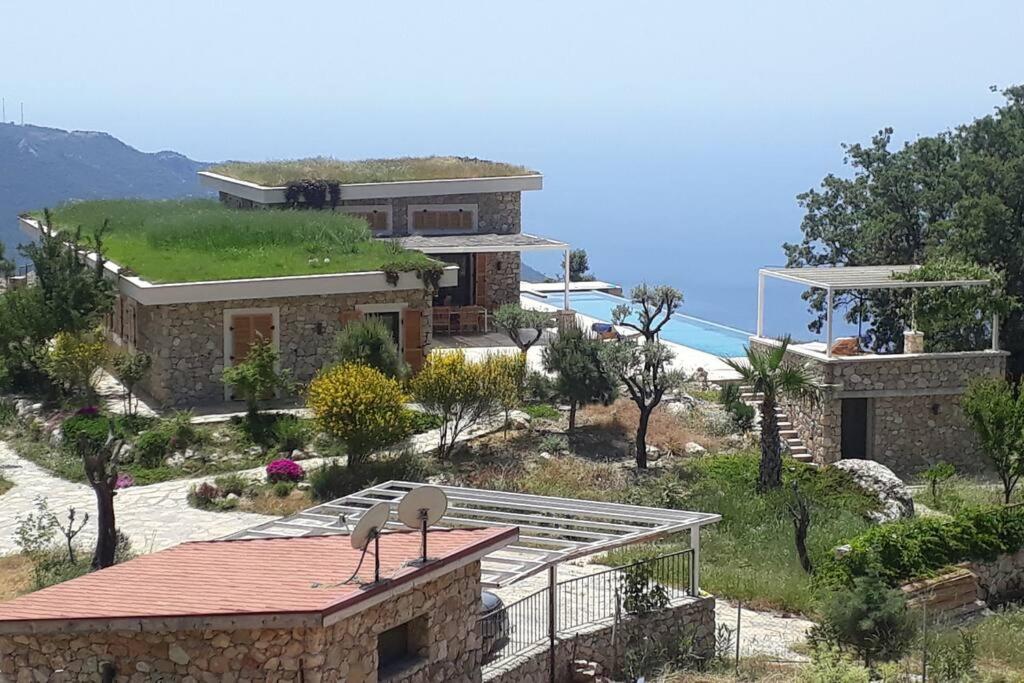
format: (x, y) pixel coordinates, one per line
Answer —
(196, 240)
(276, 173)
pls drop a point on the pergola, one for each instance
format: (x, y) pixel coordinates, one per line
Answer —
(551, 530)
(834, 279)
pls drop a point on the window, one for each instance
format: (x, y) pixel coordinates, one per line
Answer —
(377, 217)
(402, 649)
(442, 217)
(391, 320)
(461, 294)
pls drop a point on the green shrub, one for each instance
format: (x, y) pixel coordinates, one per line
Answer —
(832, 666)
(904, 550)
(203, 496)
(870, 617)
(330, 481)
(540, 387)
(420, 421)
(334, 480)
(86, 430)
(542, 411)
(151, 447)
(180, 430)
(741, 413)
(232, 483)
(291, 433)
(72, 359)
(8, 413)
(283, 489)
(257, 377)
(369, 342)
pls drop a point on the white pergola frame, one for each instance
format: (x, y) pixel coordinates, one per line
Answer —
(846, 278)
(551, 530)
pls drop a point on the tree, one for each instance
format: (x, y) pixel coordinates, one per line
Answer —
(579, 266)
(458, 392)
(257, 377)
(369, 342)
(581, 376)
(799, 508)
(516, 320)
(643, 368)
(958, 195)
(72, 360)
(130, 367)
(870, 617)
(766, 372)
(360, 406)
(506, 376)
(101, 469)
(995, 409)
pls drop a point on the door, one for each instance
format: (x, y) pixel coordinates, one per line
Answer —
(854, 425)
(413, 333)
(244, 330)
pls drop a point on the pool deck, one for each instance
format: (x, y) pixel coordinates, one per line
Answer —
(687, 359)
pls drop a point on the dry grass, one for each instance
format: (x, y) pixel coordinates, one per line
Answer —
(266, 502)
(665, 430)
(276, 173)
(15, 576)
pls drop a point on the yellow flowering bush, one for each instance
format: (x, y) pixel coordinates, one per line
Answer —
(458, 391)
(360, 406)
(505, 373)
(71, 360)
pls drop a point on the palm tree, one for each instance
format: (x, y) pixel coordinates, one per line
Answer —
(766, 374)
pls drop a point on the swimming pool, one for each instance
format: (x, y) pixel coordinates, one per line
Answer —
(695, 333)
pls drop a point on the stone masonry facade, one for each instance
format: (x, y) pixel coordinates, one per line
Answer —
(689, 624)
(914, 413)
(442, 617)
(186, 341)
(503, 274)
(498, 213)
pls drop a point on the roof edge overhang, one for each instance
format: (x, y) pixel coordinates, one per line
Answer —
(550, 245)
(325, 617)
(275, 194)
(807, 279)
(156, 294)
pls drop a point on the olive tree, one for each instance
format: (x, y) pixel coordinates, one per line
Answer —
(516, 321)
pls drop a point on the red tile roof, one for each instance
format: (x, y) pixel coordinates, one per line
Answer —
(276, 576)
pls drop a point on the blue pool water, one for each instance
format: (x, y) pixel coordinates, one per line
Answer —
(702, 335)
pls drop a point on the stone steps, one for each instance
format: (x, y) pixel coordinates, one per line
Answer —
(787, 432)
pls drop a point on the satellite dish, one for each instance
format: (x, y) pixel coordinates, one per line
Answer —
(368, 529)
(421, 508)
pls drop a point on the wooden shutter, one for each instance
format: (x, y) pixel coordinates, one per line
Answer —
(345, 317)
(480, 265)
(443, 219)
(247, 330)
(377, 220)
(412, 324)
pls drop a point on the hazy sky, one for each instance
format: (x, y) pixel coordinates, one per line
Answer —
(690, 123)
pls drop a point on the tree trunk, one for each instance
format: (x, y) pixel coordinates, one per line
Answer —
(641, 438)
(800, 525)
(770, 474)
(106, 531)
(572, 416)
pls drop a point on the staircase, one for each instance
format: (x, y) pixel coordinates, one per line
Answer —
(787, 432)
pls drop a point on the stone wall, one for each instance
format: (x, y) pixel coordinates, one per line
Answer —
(970, 587)
(444, 612)
(497, 212)
(691, 622)
(186, 341)
(914, 413)
(503, 270)
(1002, 579)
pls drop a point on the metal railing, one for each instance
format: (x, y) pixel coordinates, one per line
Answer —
(644, 586)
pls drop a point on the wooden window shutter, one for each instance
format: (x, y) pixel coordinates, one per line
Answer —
(480, 266)
(345, 317)
(241, 337)
(412, 323)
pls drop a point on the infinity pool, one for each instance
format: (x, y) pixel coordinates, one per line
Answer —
(695, 333)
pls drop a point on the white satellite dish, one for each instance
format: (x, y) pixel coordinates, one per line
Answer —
(368, 528)
(421, 508)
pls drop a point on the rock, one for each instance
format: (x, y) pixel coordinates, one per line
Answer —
(879, 481)
(231, 496)
(191, 454)
(177, 655)
(56, 437)
(544, 455)
(303, 486)
(517, 419)
(298, 454)
(654, 453)
(694, 448)
(254, 451)
(175, 460)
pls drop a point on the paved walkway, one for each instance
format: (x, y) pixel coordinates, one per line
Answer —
(154, 517)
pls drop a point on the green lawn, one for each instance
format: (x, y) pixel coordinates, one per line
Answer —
(195, 240)
(275, 173)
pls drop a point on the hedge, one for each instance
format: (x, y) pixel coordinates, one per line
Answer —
(917, 548)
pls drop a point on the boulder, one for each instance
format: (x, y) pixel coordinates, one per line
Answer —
(517, 419)
(694, 448)
(879, 481)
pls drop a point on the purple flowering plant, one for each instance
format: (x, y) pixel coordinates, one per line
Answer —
(284, 469)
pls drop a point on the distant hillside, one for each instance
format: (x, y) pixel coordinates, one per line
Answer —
(531, 274)
(41, 167)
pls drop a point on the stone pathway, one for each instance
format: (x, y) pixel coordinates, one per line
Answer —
(154, 517)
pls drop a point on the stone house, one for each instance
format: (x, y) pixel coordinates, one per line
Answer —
(900, 408)
(193, 330)
(203, 612)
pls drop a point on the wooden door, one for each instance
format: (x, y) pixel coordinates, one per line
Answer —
(246, 329)
(412, 336)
